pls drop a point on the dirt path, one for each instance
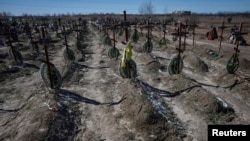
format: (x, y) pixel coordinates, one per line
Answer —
(100, 89)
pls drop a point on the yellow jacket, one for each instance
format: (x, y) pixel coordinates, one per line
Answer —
(127, 54)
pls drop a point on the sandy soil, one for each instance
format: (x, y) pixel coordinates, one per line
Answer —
(95, 103)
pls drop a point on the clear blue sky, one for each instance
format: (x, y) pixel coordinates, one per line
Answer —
(18, 7)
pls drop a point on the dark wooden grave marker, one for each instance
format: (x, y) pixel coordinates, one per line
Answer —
(113, 52)
(68, 53)
(179, 34)
(222, 27)
(44, 41)
(148, 47)
(233, 62)
(131, 65)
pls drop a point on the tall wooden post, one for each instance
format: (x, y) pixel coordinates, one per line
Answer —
(193, 35)
(179, 49)
(47, 58)
(11, 46)
(221, 34)
(185, 30)
(114, 27)
(179, 34)
(65, 39)
(126, 29)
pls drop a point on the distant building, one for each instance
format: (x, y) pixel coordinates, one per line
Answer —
(181, 13)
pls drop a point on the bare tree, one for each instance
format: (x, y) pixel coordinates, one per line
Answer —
(146, 8)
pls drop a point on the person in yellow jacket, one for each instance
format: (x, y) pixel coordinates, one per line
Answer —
(127, 55)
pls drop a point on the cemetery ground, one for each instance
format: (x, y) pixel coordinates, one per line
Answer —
(95, 103)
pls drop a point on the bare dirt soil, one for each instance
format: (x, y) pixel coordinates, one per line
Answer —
(95, 103)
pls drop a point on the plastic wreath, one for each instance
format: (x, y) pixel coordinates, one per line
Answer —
(232, 64)
(124, 70)
(56, 76)
(174, 38)
(113, 53)
(15, 54)
(163, 41)
(147, 46)
(79, 44)
(35, 48)
(135, 36)
(174, 65)
(120, 32)
(106, 39)
(69, 55)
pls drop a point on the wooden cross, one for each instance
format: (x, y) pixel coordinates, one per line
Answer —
(59, 21)
(163, 29)
(105, 27)
(125, 24)
(193, 33)
(185, 30)
(222, 27)
(148, 27)
(56, 26)
(30, 33)
(237, 34)
(135, 24)
(179, 34)
(65, 39)
(77, 29)
(113, 28)
(45, 42)
(31, 38)
(11, 46)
